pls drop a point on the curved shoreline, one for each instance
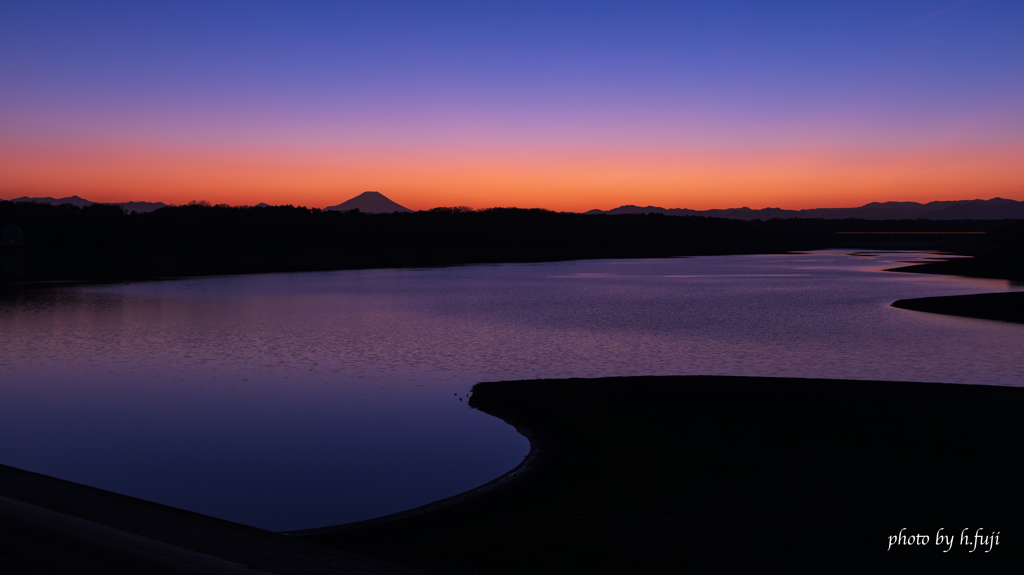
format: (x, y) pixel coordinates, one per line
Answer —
(533, 460)
(729, 474)
(634, 474)
(1002, 306)
(146, 518)
(991, 266)
(49, 525)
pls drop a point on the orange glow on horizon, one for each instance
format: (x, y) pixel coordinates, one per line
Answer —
(558, 180)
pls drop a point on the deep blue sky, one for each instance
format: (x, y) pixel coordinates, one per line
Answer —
(449, 81)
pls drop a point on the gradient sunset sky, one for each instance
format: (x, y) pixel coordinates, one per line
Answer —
(561, 105)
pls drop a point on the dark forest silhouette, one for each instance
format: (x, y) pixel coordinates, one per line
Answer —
(103, 242)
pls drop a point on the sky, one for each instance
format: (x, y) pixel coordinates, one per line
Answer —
(560, 105)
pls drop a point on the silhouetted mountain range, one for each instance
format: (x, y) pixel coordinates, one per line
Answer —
(377, 203)
(994, 209)
(369, 202)
(140, 207)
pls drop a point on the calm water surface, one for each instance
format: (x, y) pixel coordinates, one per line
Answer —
(288, 401)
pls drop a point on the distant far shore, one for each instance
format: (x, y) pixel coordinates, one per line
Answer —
(632, 475)
(102, 243)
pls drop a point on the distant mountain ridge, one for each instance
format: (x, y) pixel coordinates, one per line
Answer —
(82, 202)
(994, 209)
(375, 202)
(369, 202)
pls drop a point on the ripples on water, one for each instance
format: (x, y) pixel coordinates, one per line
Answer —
(297, 400)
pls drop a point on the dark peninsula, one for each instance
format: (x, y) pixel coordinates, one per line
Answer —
(1007, 306)
(627, 475)
(1000, 256)
(730, 475)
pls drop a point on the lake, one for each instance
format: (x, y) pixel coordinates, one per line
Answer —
(291, 401)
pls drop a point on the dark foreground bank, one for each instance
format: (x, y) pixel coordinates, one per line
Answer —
(629, 475)
(728, 474)
(998, 306)
(54, 527)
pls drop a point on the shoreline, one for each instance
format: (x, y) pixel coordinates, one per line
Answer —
(719, 474)
(49, 525)
(1000, 306)
(632, 474)
(197, 240)
(928, 267)
(534, 460)
(997, 306)
(984, 267)
(233, 265)
(205, 542)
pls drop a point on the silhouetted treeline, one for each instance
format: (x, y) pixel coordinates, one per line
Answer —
(103, 242)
